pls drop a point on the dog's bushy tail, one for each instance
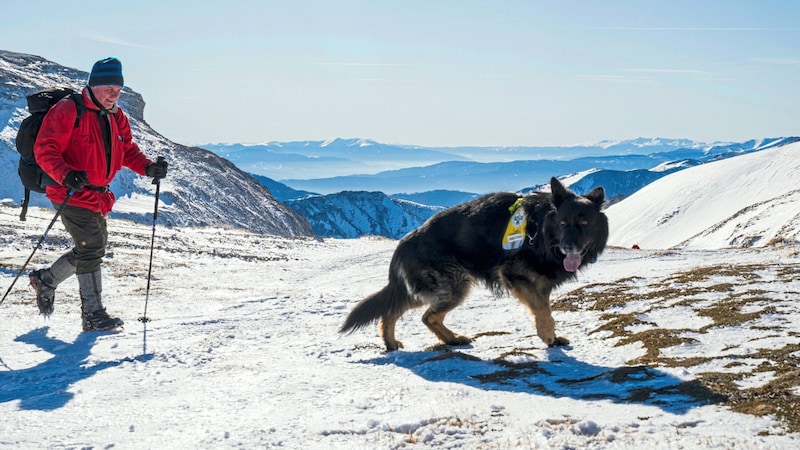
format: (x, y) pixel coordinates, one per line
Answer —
(389, 301)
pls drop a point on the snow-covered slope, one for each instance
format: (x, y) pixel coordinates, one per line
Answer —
(201, 188)
(744, 201)
(684, 349)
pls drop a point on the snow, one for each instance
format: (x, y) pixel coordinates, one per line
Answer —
(137, 203)
(718, 204)
(242, 351)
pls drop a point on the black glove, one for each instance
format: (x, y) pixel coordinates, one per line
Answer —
(76, 180)
(157, 170)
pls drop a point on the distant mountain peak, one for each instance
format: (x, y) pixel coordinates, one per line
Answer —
(352, 142)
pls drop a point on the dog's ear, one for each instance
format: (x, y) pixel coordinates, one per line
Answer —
(597, 196)
(560, 193)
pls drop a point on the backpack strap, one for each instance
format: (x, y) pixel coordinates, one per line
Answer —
(77, 98)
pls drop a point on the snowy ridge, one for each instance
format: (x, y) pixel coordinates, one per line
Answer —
(748, 200)
(201, 188)
(617, 183)
(656, 144)
(355, 214)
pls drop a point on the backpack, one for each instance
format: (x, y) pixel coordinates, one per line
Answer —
(39, 103)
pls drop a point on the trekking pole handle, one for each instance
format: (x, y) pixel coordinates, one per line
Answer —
(159, 160)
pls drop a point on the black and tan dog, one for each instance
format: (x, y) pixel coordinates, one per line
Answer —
(438, 263)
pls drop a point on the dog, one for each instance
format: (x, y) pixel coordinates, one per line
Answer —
(439, 262)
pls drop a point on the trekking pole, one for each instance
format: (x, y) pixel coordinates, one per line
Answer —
(157, 182)
(38, 244)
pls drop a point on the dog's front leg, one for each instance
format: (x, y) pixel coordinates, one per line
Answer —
(537, 299)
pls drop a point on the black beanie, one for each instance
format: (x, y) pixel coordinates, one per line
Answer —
(105, 72)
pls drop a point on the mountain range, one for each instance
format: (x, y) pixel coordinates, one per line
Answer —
(520, 175)
(469, 169)
(343, 157)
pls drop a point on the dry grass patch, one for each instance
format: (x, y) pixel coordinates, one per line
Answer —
(730, 296)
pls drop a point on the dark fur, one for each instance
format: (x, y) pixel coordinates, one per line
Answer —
(438, 263)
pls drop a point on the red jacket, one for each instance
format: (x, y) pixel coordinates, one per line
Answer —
(61, 147)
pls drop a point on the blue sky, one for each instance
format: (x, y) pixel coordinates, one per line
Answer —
(437, 72)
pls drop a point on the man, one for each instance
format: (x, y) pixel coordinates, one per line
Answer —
(85, 158)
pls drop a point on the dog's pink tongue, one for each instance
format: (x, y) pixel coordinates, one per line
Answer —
(572, 261)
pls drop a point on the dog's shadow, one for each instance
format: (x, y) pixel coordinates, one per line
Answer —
(559, 376)
(45, 386)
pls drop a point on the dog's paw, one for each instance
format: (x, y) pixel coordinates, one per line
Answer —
(459, 339)
(393, 345)
(559, 342)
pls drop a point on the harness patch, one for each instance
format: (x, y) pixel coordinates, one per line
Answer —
(514, 236)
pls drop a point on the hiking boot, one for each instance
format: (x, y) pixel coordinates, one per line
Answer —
(45, 281)
(45, 294)
(93, 314)
(100, 321)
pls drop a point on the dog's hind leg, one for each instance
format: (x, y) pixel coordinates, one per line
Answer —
(536, 296)
(451, 292)
(387, 332)
(434, 320)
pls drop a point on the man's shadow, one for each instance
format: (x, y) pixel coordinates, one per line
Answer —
(560, 376)
(45, 386)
